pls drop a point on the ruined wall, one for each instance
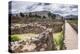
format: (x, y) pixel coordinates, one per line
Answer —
(43, 42)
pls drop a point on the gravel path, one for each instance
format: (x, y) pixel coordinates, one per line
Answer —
(71, 37)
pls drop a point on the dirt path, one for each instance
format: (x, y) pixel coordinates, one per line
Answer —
(71, 37)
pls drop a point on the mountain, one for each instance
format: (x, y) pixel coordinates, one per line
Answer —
(71, 16)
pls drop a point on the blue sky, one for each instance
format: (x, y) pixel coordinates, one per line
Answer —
(62, 9)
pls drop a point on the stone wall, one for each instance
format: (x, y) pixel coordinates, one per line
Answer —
(35, 27)
(43, 42)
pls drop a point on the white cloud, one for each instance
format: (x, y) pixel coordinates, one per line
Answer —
(54, 8)
(20, 6)
(39, 8)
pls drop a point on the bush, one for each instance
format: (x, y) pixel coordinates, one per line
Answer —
(15, 38)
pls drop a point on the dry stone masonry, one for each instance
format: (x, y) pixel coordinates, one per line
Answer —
(42, 42)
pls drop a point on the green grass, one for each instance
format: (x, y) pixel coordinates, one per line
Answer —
(73, 21)
(58, 40)
(15, 38)
(74, 24)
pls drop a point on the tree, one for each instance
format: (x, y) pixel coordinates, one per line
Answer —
(36, 15)
(21, 14)
(30, 14)
(53, 16)
(44, 17)
(49, 14)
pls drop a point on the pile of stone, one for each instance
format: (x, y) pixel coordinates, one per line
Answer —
(43, 42)
(27, 28)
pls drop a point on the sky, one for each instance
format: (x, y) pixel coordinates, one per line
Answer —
(61, 9)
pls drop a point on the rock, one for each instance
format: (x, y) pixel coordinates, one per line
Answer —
(41, 42)
(42, 49)
(30, 47)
